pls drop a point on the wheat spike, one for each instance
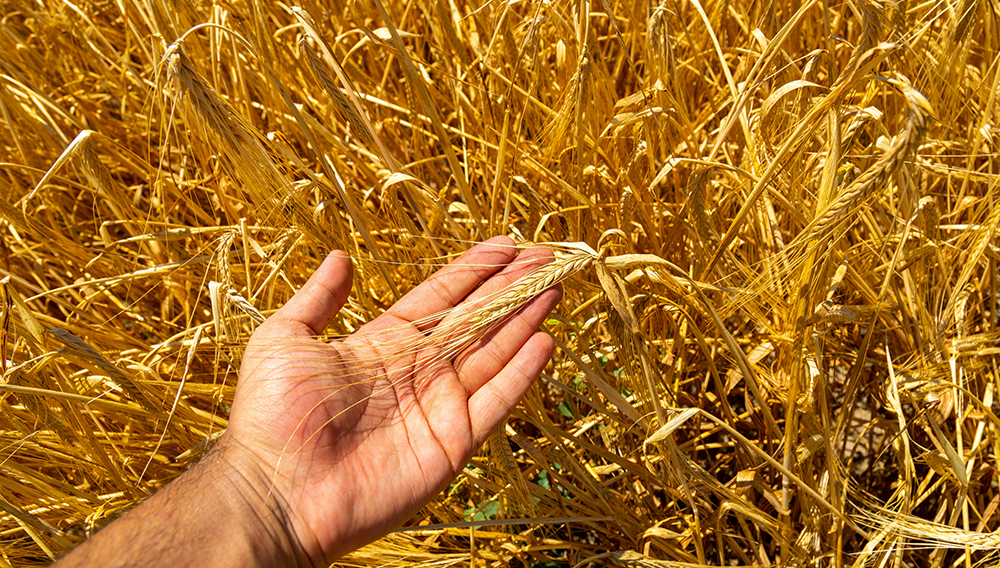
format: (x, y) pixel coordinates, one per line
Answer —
(475, 321)
(917, 109)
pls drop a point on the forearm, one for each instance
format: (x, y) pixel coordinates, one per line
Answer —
(213, 515)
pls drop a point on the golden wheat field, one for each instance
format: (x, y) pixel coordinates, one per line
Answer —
(775, 225)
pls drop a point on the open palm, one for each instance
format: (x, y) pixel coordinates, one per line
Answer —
(353, 436)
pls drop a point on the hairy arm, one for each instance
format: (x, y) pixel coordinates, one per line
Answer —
(213, 515)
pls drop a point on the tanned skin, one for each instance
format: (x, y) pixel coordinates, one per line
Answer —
(326, 452)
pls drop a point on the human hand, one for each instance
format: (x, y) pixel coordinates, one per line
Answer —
(346, 440)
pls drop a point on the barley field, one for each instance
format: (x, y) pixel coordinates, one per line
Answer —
(775, 225)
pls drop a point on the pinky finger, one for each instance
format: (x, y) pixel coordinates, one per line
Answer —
(494, 401)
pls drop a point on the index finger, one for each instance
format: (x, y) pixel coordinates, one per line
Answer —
(450, 285)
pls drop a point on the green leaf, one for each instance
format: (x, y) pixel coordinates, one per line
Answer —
(563, 409)
(542, 480)
(486, 510)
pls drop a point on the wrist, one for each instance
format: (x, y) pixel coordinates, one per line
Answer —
(241, 481)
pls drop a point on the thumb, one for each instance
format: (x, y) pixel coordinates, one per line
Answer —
(318, 301)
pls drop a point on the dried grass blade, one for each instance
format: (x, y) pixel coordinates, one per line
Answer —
(518, 498)
(413, 77)
(802, 485)
(676, 421)
(195, 342)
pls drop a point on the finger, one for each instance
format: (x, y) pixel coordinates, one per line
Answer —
(316, 304)
(493, 402)
(492, 353)
(450, 285)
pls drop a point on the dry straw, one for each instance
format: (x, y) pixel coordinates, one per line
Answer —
(774, 224)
